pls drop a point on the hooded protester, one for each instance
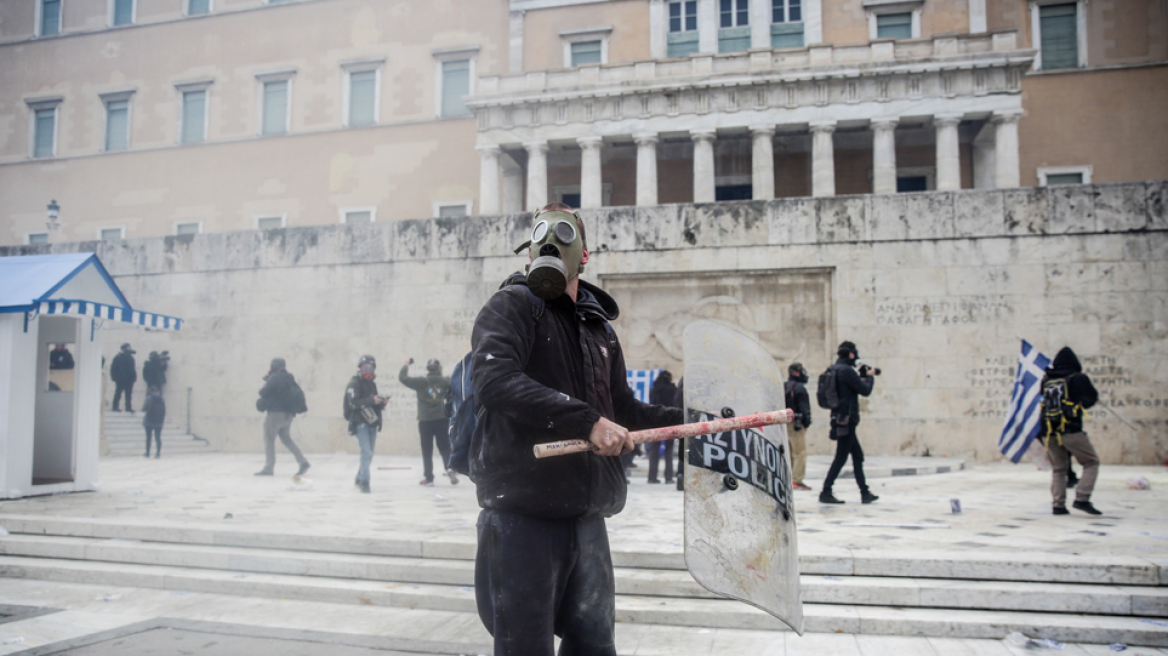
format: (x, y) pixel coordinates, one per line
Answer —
(795, 393)
(433, 425)
(548, 366)
(363, 409)
(663, 393)
(154, 411)
(154, 370)
(276, 400)
(1067, 393)
(124, 372)
(850, 386)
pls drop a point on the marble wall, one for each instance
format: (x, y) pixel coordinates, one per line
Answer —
(935, 288)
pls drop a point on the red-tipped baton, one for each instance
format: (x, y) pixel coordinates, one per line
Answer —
(674, 432)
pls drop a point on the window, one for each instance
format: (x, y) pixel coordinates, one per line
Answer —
(117, 121)
(1058, 27)
(193, 98)
(198, 7)
(269, 222)
(1064, 178)
(275, 112)
(894, 26)
(786, 23)
(362, 91)
(355, 215)
(110, 234)
(585, 52)
(188, 228)
(452, 209)
(1062, 175)
(36, 238)
(734, 26)
(683, 29)
(455, 85)
(44, 132)
(50, 17)
(121, 12)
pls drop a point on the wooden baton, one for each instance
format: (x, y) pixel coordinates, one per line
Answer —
(674, 432)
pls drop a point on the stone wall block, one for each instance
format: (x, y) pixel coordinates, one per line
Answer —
(611, 228)
(1026, 211)
(1121, 207)
(448, 238)
(1072, 209)
(978, 213)
(791, 221)
(1157, 204)
(887, 217)
(657, 227)
(739, 223)
(413, 240)
(840, 219)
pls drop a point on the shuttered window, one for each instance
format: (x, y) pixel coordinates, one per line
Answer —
(275, 107)
(194, 118)
(44, 130)
(117, 124)
(1063, 178)
(786, 11)
(585, 52)
(50, 17)
(682, 40)
(359, 216)
(362, 98)
(451, 211)
(187, 229)
(123, 12)
(455, 85)
(198, 7)
(1058, 25)
(894, 26)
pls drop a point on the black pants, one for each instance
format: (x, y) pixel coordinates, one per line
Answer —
(157, 440)
(538, 577)
(434, 431)
(128, 389)
(845, 445)
(656, 455)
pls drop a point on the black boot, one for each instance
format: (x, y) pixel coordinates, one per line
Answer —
(867, 497)
(1086, 507)
(827, 497)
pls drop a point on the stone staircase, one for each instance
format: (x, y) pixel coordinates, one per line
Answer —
(124, 435)
(1099, 600)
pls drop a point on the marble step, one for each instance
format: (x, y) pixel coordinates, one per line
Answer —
(855, 590)
(713, 613)
(813, 559)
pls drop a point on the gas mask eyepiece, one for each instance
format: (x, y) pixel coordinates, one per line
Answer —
(557, 249)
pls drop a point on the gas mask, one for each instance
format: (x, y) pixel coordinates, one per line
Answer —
(368, 371)
(557, 246)
(799, 373)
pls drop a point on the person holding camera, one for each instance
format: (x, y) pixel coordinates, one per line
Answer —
(154, 369)
(363, 409)
(795, 393)
(845, 416)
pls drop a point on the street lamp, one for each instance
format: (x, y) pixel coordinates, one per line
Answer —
(54, 210)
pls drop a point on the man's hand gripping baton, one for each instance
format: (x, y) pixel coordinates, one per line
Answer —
(674, 432)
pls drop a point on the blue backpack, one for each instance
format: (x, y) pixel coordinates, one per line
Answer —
(464, 416)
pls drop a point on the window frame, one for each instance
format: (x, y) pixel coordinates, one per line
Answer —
(187, 9)
(929, 173)
(187, 87)
(108, 97)
(736, 12)
(113, 13)
(121, 228)
(38, 104)
(256, 218)
(1085, 170)
(40, 20)
(343, 212)
(683, 16)
(29, 235)
(458, 53)
(177, 222)
(874, 8)
(599, 33)
(439, 204)
(1080, 31)
(287, 75)
(373, 64)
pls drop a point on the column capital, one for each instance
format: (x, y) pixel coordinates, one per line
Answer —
(489, 149)
(821, 126)
(589, 142)
(535, 146)
(946, 120)
(703, 135)
(645, 138)
(885, 123)
(1006, 117)
(762, 130)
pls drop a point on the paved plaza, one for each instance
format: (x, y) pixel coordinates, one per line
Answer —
(1004, 526)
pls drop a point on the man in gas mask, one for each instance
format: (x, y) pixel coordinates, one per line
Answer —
(547, 366)
(363, 409)
(795, 391)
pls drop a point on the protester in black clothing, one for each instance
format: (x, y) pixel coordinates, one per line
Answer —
(549, 367)
(154, 369)
(124, 372)
(663, 393)
(844, 418)
(363, 407)
(795, 393)
(60, 358)
(154, 409)
(1066, 387)
(275, 400)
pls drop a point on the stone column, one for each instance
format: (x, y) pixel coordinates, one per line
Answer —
(703, 166)
(646, 167)
(488, 179)
(591, 192)
(884, 156)
(1006, 166)
(512, 185)
(822, 158)
(948, 153)
(762, 162)
(536, 174)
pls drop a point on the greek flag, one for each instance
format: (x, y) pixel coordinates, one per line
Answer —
(640, 381)
(1022, 421)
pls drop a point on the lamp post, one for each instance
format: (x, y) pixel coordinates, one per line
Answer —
(52, 224)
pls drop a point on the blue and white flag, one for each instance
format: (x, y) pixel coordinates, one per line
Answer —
(1025, 415)
(641, 381)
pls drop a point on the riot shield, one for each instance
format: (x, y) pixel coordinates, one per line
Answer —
(740, 539)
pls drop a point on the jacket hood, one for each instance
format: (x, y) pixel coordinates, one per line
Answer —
(1064, 364)
(590, 299)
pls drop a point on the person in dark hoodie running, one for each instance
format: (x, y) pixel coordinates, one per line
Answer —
(275, 398)
(547, 366)
(844, 419)
(1067, 392)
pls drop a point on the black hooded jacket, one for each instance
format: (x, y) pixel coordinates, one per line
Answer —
(1080, 391)
(851, 386)
(547, 371)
